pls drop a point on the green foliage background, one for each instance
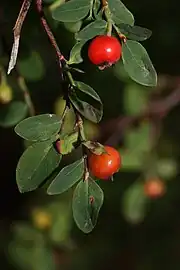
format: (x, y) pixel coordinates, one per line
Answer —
(116, 242)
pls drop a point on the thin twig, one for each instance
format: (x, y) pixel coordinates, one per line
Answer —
(50, 35)
(17, 32)
(27, 96)
(157, 109)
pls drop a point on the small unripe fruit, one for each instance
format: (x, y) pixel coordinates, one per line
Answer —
(105, 165)
(6, 94)
(104, 51)
(154, 188)
(41, 219)
(58, 146)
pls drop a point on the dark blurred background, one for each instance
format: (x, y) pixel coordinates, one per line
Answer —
(126, 237)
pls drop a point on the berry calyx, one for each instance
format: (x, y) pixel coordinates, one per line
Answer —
(154, 188)
(105, 165)
(104, 51)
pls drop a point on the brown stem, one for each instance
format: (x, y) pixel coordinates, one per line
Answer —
(52, 39)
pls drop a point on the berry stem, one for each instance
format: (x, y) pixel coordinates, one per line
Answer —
(121, 36)
(107, 14)
(79, 124)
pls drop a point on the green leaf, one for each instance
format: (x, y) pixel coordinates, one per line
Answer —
(38, 128)
(88, 90)
(93, 29)
(120, 14)
(130, 161)
(135, 99)
(138, 64)
(12, 113)
(67, 177)
(31, 68)
(73, 27)
(72, 11)
(97, 11)
(87, 201)
(30, 251)
(134, 203)
(87, 110)
(35, 165)
(167, 168)
(75, 54)
(135, 32)
(137, 143)
(138, 140)
(66, 143)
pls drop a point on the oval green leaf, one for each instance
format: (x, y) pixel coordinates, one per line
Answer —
(35, 165)
(32, 67)
(38, 128)
(120, 14)
(135, 32)
(73, 27)
(88, 90)
(75, 54)
(134, 203)
(93, 29)
(138, 64)
(87, 201)
(66, 178)
(71, 11)
(87, 110)
(12, 113)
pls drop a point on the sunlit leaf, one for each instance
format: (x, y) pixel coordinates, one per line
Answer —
(39, 128)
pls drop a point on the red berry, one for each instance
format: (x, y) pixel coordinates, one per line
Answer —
(105, 165)
(104, 50)
(154, 188)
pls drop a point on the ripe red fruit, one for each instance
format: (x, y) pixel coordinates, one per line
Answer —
(105, 165)
(104, 51)
(154, 188)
